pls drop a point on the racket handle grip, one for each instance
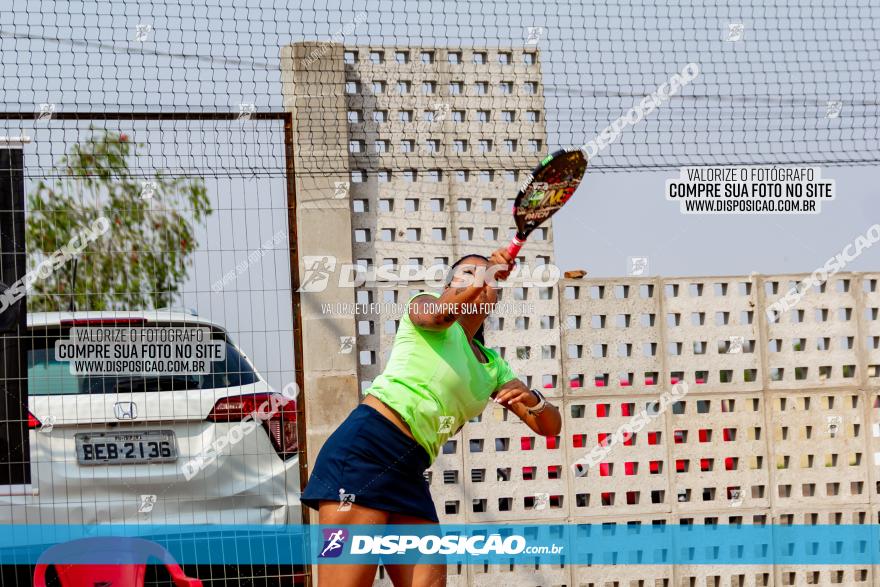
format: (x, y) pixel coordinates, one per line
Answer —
(515, 245)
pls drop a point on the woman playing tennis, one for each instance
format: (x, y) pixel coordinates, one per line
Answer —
(439, 376)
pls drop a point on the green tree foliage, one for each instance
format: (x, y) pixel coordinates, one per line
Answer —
(144, 257)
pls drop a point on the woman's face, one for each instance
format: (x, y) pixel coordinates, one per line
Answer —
(473, 270)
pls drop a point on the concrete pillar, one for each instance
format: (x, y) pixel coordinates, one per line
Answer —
(313, 84)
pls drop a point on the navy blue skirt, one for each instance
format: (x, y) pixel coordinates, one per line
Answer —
(369, 461)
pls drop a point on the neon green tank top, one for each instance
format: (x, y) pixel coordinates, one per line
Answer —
(436, 383)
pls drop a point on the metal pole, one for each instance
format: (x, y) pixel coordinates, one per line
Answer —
(14, 448)
(290, 175)
(144, 115)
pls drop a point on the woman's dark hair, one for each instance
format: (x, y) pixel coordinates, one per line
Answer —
(479, 335)
(451, 273)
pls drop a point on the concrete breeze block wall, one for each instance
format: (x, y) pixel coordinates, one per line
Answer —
(782, 420)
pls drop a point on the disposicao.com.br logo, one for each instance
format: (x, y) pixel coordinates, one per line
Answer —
(430, 544)
(334, 542)
(451, 544)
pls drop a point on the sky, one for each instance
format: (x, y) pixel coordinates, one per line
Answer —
(760, 99)
(615, 216)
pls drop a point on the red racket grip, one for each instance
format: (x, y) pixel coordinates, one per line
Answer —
(515, 245)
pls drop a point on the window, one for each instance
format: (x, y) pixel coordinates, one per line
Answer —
(403, 87)
(481, 88)
(355, 116)
(534, 145)
(506, 87)
(462, 176)
(435, 175)
(489, 205)
(429, 88)
(406, 116)
(377, 56)
(432, 145)
(485, 145)
(483, 115)
(532, 116)
(510, 145)
(358, 175)
(454, 57)
(384, 175)
(380, 116)
(459, 146)
(355, 146)
(378, 87)
(49, 376)
(487, 175)
(350, 57)
(381, 146)
(455, 88)
(428, 116)
(530, 88)
(505, 58)
(508, 116)
(407, 146)
(352, 87)
(427, 57)
(458, 116)
(480, 58)
(409, 175)
(530, 58)
(463, 205)
(401, 56)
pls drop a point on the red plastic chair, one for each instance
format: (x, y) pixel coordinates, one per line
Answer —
(130, 556)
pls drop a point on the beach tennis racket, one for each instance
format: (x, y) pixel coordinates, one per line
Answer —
(550, 185)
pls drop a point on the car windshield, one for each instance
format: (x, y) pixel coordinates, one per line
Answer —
(49, 376)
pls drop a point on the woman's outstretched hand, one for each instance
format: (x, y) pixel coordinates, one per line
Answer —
(515, 396)
(511, 396)
(501, 263)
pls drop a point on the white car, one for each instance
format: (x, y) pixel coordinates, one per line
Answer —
(121, 449)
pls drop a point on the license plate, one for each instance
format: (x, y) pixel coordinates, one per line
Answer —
(122, 448)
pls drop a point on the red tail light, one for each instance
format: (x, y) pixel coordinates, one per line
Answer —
(33, 423)
(280, 425)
